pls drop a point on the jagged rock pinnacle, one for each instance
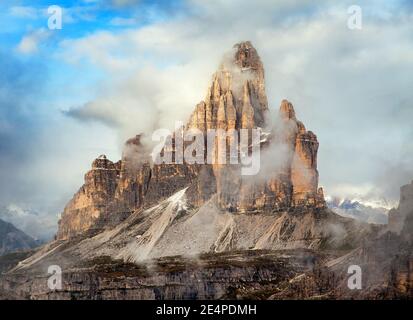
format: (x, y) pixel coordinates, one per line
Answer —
(287, 110)
(246, 56)
(241, 88)
(235, 99)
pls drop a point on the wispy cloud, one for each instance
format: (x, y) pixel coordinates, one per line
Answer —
(121, 22)
(24, 12)
(30, 43)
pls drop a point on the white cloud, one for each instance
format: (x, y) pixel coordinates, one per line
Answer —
(29, 44)
(122, 22)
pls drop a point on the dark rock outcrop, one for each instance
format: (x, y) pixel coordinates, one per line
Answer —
(232, 275)
(13, 239)
(401, 217)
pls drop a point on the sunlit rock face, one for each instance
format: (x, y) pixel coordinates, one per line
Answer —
(88, 204)
(134, 175)
(235, 100)
(236, 97)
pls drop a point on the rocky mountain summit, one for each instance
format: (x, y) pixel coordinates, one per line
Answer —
(139, 229)
(235, 100)
(135, 209)
(13, 239)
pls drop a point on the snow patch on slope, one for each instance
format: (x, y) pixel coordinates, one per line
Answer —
(140, 248)
(359, 210)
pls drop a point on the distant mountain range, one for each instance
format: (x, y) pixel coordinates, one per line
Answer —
(358, 210)
(13, 239)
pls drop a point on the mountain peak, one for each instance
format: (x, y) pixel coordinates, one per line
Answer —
(246, 56)
(287, 110)
(13, 239)
(236, 97)
(235, 100)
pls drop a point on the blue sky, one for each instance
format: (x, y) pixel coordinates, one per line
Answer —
(20, 18)
(121, 67)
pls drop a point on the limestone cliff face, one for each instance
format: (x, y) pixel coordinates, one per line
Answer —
(295, 182)
(134, 177)
(88, 204)
(235, 100)
(304, 174)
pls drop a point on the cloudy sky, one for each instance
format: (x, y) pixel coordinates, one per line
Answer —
(120, 67)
